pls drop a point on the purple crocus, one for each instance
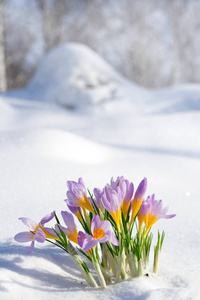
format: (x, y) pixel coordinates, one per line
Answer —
(138, 198)
(101, 232)
(98, 195)
(76, 211)
(77, 195)
(151, 211)
(37, 232)
(112, 201)
(127, 189)
(71, 230)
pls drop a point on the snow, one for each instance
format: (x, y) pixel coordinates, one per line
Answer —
(83, 79)
(141, 133)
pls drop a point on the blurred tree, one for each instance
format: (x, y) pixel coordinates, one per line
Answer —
(153, 43)
(3, 81)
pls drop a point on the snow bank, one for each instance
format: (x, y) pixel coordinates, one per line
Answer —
(181, 98)
(75, 76)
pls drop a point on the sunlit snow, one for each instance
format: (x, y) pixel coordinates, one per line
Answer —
(133, 132)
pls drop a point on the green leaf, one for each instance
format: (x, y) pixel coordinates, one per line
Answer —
(84, 224)
(57, 220)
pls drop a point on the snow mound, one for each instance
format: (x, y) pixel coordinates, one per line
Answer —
(5, 107)
(62, 145)
(182, 98)
(74, 76)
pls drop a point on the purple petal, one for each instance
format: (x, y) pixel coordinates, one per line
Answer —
(24, 237)
(96, 223)
(129, 191)
(169, 216)
(157, 208)
(80, 181)
(30, 223)
(71, 198)
(65, 230)
(40, 235)
(68, 219)
(89, 243)
(98, 194)
(103, 239)
(81, 237)
(141, 190)
(165, 210)
(105, 225)
(112, 238)
(73, 209)
(77, 189)
(86, 241)
(50, 231)
(106, 203)
(47, 218)
(122, 185)
(112, 199)
(31, 247)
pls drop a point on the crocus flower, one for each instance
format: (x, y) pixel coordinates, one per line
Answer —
(101, 232)
(37, 232)
(112, 201)
(71, 230)
(143, 212)
(138, 198)
(77, 195)
(76, 211)
(151, 211)
(98, 195)
(126, 188)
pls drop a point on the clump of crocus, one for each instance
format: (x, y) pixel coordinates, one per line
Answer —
(116, 229)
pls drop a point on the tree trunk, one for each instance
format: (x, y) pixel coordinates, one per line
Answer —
(3, 81)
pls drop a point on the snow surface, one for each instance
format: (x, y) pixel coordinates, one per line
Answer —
(43, 145)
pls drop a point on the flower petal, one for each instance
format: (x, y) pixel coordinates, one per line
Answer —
(24, 237)
(65, 230)
(105, 225)
(31, 247)
(40, 236)
(68, 219)
(141, 190)
(112, 238)
(30, 223)
(96, 223)
(169, 216)
(47, 218)
(86, 241)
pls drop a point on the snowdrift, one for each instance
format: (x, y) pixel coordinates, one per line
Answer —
(74, 76)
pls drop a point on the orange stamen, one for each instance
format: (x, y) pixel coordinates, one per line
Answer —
(98, 233)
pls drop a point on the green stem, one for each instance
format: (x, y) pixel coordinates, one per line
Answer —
(105, 274)
(132, 261)
(140, 267)
(82, 266)
(156, 261)
(123, 266)
(118, 270)
(99, 273)
(112, 262)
